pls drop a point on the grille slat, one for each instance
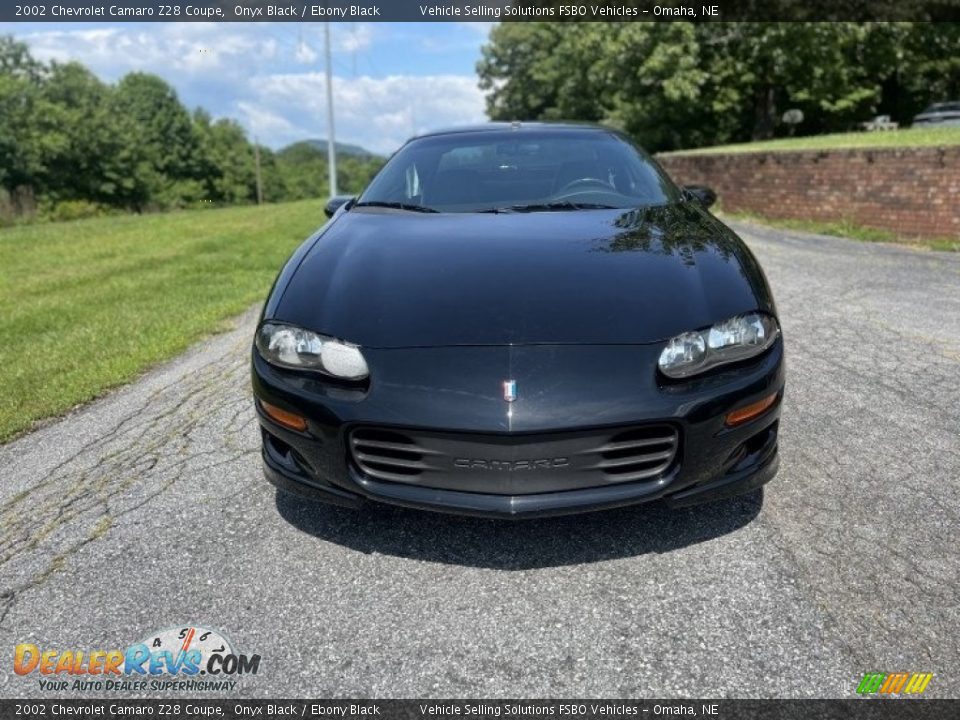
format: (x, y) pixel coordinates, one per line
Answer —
(392, 461)
(374, 470)
(630, 444)
(516, 464)
(385, 445)
(635, 459)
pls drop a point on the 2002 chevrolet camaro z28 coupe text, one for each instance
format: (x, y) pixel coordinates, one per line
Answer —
(519, 320)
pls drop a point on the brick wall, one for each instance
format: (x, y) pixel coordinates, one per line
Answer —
(913, 192)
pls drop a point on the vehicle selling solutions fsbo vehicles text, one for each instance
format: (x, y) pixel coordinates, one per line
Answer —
(563, 11)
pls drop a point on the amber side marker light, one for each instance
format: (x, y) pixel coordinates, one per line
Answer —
(285, 418)
(749, 412)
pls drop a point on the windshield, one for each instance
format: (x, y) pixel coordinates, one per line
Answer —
(519, 170)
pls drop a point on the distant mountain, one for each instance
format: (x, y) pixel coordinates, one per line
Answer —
(321, 145)
(303, 166)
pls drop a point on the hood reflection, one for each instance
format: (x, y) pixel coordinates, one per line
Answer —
(675, 229)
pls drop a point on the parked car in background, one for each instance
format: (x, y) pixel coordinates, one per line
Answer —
(939, 114)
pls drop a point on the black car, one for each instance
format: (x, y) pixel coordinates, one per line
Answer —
(939, 115)
(518, 320)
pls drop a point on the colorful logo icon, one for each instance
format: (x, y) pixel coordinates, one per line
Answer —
(509, 390)
(894, 683)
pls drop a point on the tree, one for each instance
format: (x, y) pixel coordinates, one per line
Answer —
(656, 85)
(518, 71)
(169, 163)
(766, 67)
(20, 82)
(305, 169)
(88, 152)
(226, 161)
(675, 85)
(925, 67)
(303, 166)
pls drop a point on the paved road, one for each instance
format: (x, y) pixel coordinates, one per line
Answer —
(147, 509)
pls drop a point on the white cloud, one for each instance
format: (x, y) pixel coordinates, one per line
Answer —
(378, 113)
(305, 53)
(480, 28)
(344, 38)
(253, 72)
(263, 123)
(193, 49)
(351, 39)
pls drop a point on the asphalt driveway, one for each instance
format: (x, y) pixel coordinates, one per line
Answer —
(147, 509)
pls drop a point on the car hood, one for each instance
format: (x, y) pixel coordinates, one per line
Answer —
(390, 279)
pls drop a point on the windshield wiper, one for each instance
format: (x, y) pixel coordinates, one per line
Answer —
(550, 206)
(396, 206)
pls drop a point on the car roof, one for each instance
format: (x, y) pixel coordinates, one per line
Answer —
(516, 126)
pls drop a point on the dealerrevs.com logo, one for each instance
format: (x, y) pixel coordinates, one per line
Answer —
(189, 658)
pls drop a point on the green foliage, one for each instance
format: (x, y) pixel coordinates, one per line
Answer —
(167, 142)
(226, 161)
(80, 142)
(911, 137)
(518, 71)
(846, 229)
(682, 85)
(72, 146)
(20, 79)
(304, 166)
(71, 210)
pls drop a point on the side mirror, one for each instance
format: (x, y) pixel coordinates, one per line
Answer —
(334, 203)
(701, 193)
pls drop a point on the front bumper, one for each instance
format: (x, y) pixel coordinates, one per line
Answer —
(713, 461)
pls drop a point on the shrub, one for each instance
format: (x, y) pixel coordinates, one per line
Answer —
(71, 210)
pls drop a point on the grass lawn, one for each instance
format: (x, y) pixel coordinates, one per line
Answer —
(88, 305)
(845, 229)
(911, 137)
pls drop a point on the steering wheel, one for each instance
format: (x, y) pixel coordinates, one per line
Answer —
(573, 184)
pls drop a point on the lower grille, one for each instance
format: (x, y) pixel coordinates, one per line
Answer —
(387, 455)
(516, 464)
(639, 453)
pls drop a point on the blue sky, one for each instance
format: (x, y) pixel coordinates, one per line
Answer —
(390, 79)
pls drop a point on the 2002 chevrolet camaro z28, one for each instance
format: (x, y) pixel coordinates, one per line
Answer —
(519, 320)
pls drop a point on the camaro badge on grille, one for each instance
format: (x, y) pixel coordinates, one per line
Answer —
(509, 390)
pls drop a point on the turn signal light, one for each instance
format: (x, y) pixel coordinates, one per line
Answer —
(284, 417)
(749, 412)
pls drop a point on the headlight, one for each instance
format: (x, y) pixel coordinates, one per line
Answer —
(738, 338)
(292, 347)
